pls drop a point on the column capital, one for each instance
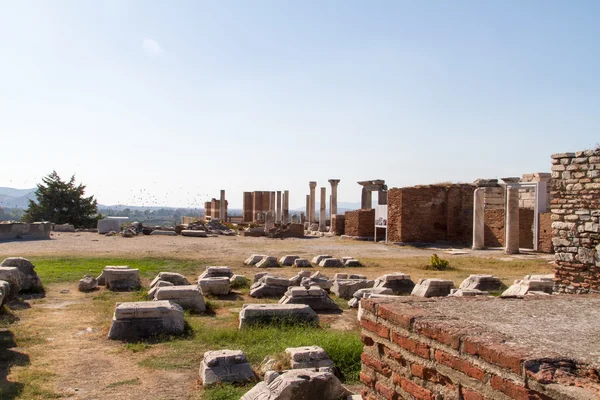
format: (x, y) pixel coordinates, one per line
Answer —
(334, 182)
(312, 184)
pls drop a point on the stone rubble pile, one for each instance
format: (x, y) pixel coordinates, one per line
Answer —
(345, 288)
(229, 366)
(433, 288)
(361, 293)
(485, 283)
(259, 314)
(317, 279)
(313, 296)
(530, 285)
(269, 286)
(398, 283)
(29, 279)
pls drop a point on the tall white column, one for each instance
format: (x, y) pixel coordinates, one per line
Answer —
(312, 217)
(222, 208)
(286, 207)
(322, 210)
(307, 215)
(333, 207)
(479, 219)
(512, 220)
(278, 210)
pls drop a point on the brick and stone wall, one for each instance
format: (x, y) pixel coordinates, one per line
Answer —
(494, 227)
(416, 352)
(575, 214)
(431, 213)
(545, 233)
(360, 223)
(526, 216)
(338, 224)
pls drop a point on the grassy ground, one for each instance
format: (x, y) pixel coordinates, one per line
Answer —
(39, 368)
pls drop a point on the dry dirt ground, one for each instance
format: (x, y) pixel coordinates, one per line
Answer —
(59, 347)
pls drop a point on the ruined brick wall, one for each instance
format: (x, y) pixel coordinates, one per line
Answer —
(494, 228)
(207, 209)
(575, 214)
(545, 233)
(431, 213)
(411, 352)
(338, 224)
(247, 208)
(526, 216)
(360, 223)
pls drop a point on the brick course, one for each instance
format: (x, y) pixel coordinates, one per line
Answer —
(360, 223)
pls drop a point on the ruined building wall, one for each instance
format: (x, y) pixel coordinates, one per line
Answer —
(545, 234)
(247, 208)
(360, 223)
(575, 214)
(431, 213)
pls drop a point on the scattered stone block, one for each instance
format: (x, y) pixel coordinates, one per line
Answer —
(109, 225)
(121, 279)
(340, 275)
(345, 288)
(268, 262)
(4, 291)
(352, 263)
(63, 228)
(308, 357)
(259, 275)
(100, 278)
(215, 272)
(367, 292)
(229, 366)
(193, 233)
(432, 288)
(13, 277)
(529, 284)
(269, 286)
(317, 259)
(296, 280)
(398, 282)
(157, 285)
(344, 259)
(159, 232)
(30, 281)
(298, 384)
(217, 286)
(302, 263)
(486, 283)
(172, 277)
(317, 279)
(254, 259)
(330, 263)
(87, 284)
(314, 296)
(254, 314)
(288, 261)
(238, 281)
(189, 297)
(136, 320)
(467, 293)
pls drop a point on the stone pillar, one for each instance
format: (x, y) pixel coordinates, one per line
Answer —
(366, 199)
(269, 220)
(322, 210)
(312, 217)
(272, 203)
(333, 206)
(478, 219)
(512, 220)
(278, 211)
(307, 215)
(382, 197)
(248, 205)
(257, 200)
(286, 207)
(222, 208)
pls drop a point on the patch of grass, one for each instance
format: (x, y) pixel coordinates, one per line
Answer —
(225, 392)
(343, 303)
(135, 381)
(33, 383)
(137, 347)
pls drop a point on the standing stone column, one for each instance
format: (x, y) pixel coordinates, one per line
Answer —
(479, 219)
(322, 210)
(272, 204)
(307, 215)
(286, 207)
(312, 217)
(366, 199)
(278, 210)
(222, 208)
(333, 207)
(382, 197)
(512, 220)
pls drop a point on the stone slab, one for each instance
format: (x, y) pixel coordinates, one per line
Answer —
(121, 279)
(308, 357)
(225, 366)
(432, 288)
(302, 263)
(317, 259)
(254, 259)
(288, 260)
(217, 271)
(345, 288)
(163, 233)
(193, 233)
(313, 296)
(189, 297)
(256, 314)
(268, 262)
(172, 277)
(135, 320)
(218, 286)
(330, 263)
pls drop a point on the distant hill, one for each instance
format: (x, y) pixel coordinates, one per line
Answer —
(19, 198)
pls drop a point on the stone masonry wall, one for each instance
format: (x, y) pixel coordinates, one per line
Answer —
(360, 223)
(575, 214)
(338, 224)
(545, 234)
(494, 227)
(526, 216)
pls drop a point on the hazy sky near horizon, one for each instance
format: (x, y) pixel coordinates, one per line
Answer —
(165, 103)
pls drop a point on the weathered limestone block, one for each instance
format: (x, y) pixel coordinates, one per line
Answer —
(345, 288)
(253, 314)
(238, 280)
(259, 275)
(317, 279)
(189, 297)
(298, 384)
(314, 297)
(352, 263)
(163, 233)
(13, 277)
(398, 282)
(254, 259)
(29, 278)
(217, 286)
(121, 279)
(136, 320)
(330, 263)
(109, 225)
(87, 284)
(308, 357)
(302, 263)
(467, 293)
(367, 292)
(296, 280)
(100, 278)
(215, 272)
(317, 259)
(269, 286)
(340, 275)
(193, 233)
(157, 285)
(4, 291)
(484, 283)
(63, 228)
(530, 283)
(225, 366)
(432, 288)
(268, 262)
(288, 260)
(173, 277)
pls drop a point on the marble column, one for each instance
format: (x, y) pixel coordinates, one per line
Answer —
(278, 210)
(222, 208)
(366, 199)
(307, 215)
(322, 210)
(312, 217)
(478, 219)
(512, 220)
(286, 207)
(333, 206)
(382, 197)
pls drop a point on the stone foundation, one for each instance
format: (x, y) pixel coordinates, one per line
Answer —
(17, 231)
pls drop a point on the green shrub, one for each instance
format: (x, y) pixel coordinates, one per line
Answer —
(438, 264)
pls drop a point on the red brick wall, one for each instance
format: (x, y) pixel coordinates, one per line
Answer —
(545, 235)
(412, 352)
(247, 210)
(360, 223)
(526, 228)
(338, 224)
(494, 228)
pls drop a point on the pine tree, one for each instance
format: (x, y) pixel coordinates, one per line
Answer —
(62, 202)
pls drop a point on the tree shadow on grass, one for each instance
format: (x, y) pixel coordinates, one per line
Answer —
(8, 359)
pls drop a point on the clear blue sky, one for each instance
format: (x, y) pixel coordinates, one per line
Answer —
(176, 100)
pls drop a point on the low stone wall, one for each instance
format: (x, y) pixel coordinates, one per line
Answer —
(360, 223)
(338, 224)
(414, 350)
(35, 231)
